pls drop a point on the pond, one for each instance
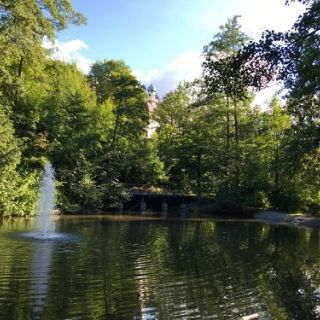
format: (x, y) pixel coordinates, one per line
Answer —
(110, 268)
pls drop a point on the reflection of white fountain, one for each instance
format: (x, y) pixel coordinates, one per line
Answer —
(40, 275)
(146, 312)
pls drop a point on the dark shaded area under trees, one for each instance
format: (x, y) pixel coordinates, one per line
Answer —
(210, 141)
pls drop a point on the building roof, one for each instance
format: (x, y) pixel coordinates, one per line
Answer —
(152, 88)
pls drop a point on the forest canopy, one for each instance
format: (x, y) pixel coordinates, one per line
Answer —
(210, 140)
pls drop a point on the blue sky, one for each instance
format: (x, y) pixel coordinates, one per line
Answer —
(162, 40)
(145, 33)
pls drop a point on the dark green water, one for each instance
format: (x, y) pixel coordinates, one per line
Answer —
(160, 270)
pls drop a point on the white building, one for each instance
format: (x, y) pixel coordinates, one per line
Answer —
(152, 102)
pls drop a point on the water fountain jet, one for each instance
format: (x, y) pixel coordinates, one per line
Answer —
(45, 223)
(46, 201)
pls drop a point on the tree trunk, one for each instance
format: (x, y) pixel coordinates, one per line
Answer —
(236, 132)
(276, 181)
(116, 126)
(276, 178)
(228, 124)
(199, 176)
(20, 67)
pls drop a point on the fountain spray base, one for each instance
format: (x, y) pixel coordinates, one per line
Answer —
(44, 236)
(50, 236)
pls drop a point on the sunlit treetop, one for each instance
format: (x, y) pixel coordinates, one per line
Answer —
(41, 17)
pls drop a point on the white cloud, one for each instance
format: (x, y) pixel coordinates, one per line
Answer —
(264, 97)
(69, 51)
(256, 16)
(186, 67)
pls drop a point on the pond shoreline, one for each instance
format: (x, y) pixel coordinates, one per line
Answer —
(272, 217)
(297, 220)
(268, 216)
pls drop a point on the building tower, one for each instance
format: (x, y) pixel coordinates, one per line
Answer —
(152, 102)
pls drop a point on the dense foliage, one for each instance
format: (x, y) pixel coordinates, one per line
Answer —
(92, 129)
(243, 156)
(210, 141)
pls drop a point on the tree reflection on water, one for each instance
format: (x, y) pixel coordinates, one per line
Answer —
(162, 270)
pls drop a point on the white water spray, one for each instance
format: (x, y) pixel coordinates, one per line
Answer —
(46, 201)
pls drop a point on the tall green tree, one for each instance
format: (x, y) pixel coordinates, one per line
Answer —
(23, 87)
(129, 158)
(173, 115)
(25, 24)
(17, 188)
(228, 41)
(293, 57)
(223, 76)
(114, 82)
(67, 135)
(185, 138)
